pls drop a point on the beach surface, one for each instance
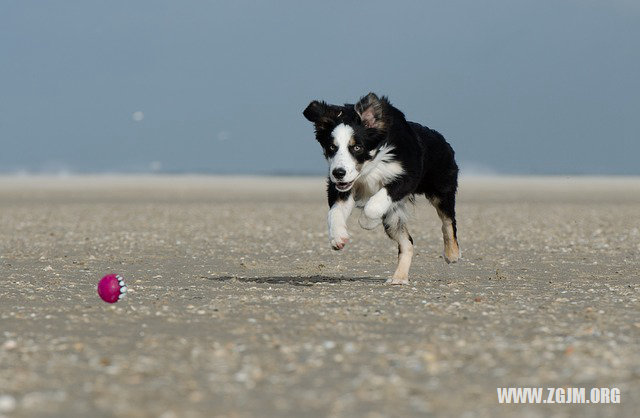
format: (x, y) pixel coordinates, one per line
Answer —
(238, 306)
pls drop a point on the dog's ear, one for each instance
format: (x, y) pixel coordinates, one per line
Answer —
(373, 111)
(315, 111)
(321, 114)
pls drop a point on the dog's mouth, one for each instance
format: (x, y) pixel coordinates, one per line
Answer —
(343, 186)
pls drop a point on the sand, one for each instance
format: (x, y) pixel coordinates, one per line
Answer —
(238, 306)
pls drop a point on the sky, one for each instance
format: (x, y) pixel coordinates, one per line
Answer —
(517, 87)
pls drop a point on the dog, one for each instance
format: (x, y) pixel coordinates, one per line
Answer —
(379, 161)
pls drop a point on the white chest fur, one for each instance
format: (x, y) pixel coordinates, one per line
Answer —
(381, 170)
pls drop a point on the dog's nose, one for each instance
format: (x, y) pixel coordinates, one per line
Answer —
(339, 173)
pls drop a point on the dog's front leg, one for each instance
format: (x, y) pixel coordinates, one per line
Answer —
(377, 206)
(339, 212)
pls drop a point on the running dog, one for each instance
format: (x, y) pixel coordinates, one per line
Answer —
(378, 161)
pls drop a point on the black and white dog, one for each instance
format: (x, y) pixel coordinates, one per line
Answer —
(379, 161)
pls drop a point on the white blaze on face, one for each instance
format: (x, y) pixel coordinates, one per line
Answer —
(342, 136)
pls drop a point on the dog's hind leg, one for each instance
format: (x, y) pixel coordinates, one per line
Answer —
(445, 206)
(396, 229)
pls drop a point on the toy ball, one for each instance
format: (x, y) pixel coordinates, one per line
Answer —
(111, 288)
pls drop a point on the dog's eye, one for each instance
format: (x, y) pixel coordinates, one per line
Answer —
(357, 148)
(332, 148)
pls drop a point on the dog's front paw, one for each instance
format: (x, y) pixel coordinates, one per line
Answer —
(367, 222)
(339, 241)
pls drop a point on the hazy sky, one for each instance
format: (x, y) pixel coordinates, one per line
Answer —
(516, 86)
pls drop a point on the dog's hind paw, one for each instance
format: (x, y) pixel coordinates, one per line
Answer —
(451, 255)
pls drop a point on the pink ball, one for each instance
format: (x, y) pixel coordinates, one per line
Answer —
(111, 288)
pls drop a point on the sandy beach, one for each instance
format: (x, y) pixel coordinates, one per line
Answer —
(238, 306)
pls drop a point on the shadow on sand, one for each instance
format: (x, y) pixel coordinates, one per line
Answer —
(297, 280)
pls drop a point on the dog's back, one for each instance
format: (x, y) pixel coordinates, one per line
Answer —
(440, 171)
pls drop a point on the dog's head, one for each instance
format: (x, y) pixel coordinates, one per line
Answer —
(349, 135)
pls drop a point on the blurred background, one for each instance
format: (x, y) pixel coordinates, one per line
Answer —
(517, 87)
